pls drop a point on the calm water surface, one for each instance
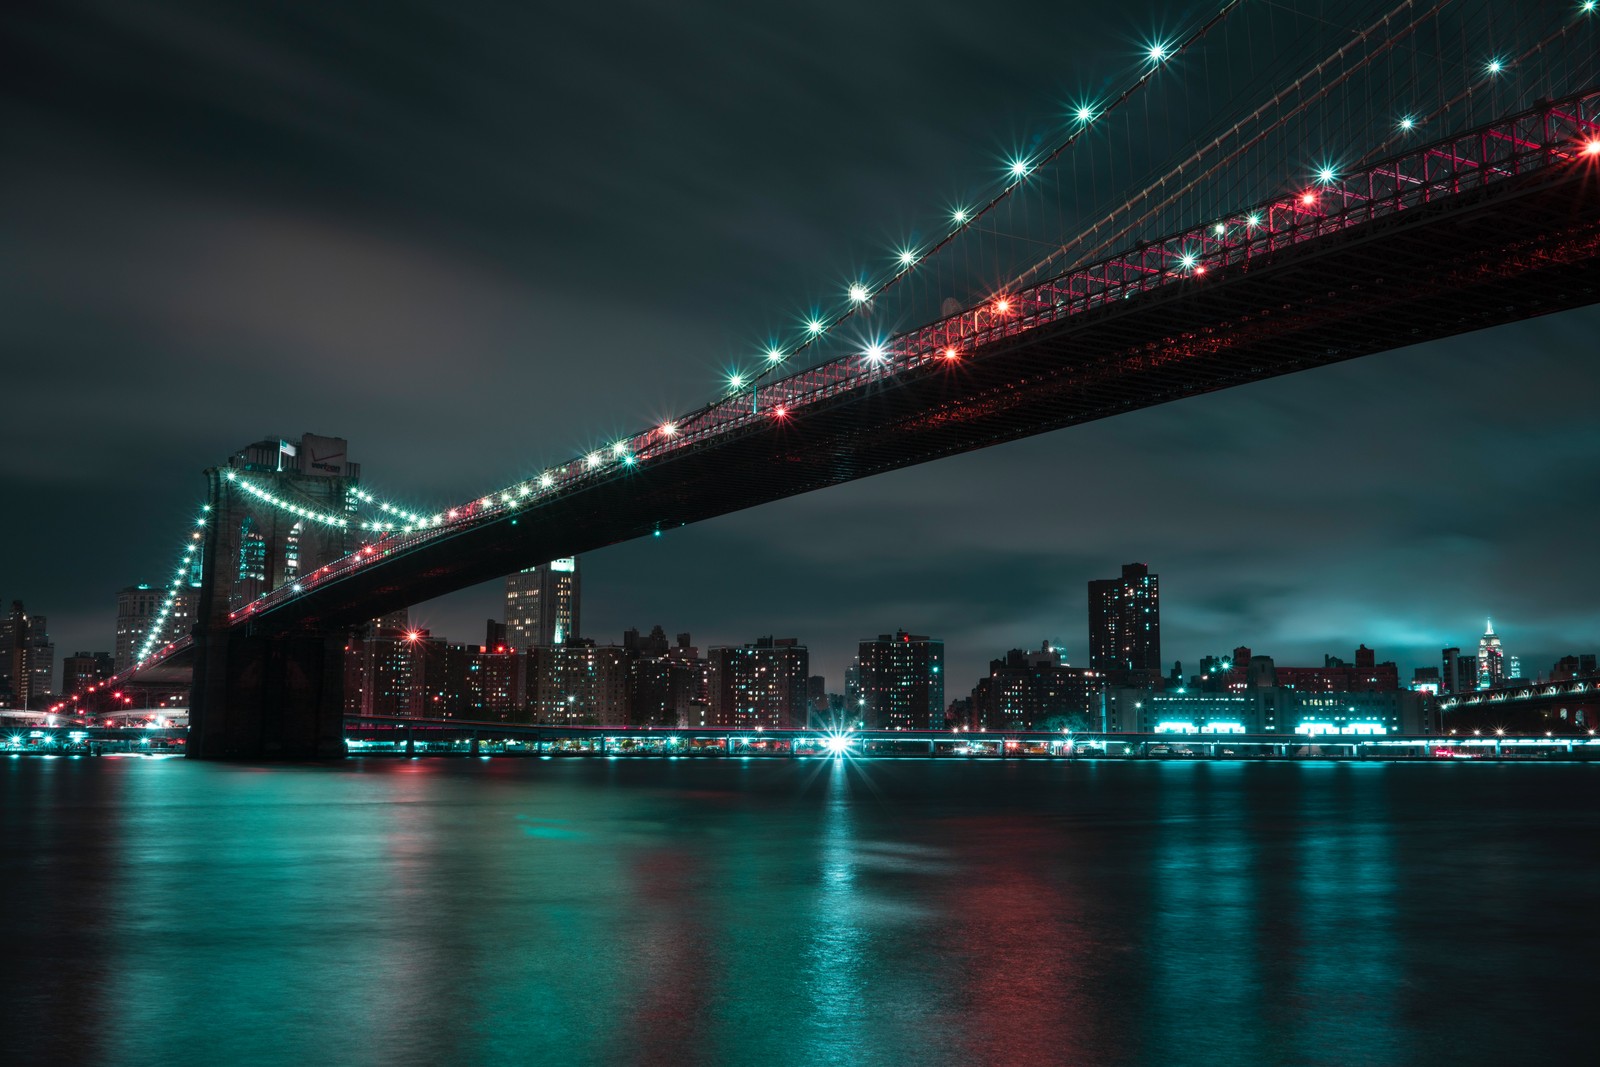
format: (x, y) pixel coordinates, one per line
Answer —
(818, 912)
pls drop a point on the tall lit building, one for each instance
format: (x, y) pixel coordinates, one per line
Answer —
(1491, 659)
(542, 604)
(579, 683)
(1125, 627)
(27, 658)
(761, 684)
(137, 607)
(902, 682)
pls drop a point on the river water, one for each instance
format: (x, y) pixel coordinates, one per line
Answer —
(506, 911)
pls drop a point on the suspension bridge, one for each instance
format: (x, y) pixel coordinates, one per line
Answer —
(1478, 206)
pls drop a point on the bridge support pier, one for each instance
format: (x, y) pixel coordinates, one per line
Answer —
(275, 697)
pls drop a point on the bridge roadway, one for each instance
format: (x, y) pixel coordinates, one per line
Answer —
(1493, 225)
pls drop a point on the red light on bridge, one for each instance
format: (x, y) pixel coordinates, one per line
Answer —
(1002, 306)
(951, 353)
(1591, 147)
(780, 412)
(1308, 199)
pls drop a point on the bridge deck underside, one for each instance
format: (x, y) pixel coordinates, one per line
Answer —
(1503, 253)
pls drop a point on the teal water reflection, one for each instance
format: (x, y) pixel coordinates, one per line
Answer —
(812, 912)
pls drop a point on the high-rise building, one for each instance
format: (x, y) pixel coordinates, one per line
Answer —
(760, 684)
(577, 682)
(27, 659)
(1491, 659)
(1447, 671)
(902, 682)
(542, 604)
(395, 669)
(1125, 627)
(137, 607)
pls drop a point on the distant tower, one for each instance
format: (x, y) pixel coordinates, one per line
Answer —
(542, 604)
(1125, 626)
(1491, 659)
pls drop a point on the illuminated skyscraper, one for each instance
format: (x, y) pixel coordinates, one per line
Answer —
(542, 604)
(1491, 659)
(1125, 627)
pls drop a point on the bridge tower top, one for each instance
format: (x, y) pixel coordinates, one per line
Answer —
(278, 511)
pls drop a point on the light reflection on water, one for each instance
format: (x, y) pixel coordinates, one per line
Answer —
(813, 912)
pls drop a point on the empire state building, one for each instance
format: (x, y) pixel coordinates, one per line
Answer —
(1491, 658)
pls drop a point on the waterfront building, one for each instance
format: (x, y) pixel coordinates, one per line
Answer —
(579, 683)
(397, 669)
(901, 682)
(665, 679)
(1268, 710)
(759, 684)
(1125, 627)
(495, 687)
(1035, 691)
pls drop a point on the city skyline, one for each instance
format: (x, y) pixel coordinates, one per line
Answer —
(215, 250)
(1193, 663)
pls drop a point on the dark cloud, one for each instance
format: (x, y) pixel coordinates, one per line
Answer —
(477, 237)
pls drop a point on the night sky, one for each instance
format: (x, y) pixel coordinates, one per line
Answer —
(475, 238)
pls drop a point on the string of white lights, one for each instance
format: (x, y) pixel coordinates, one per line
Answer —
(191, 550)
(1156, 56)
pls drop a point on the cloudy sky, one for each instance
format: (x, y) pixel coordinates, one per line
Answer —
(474, 238)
